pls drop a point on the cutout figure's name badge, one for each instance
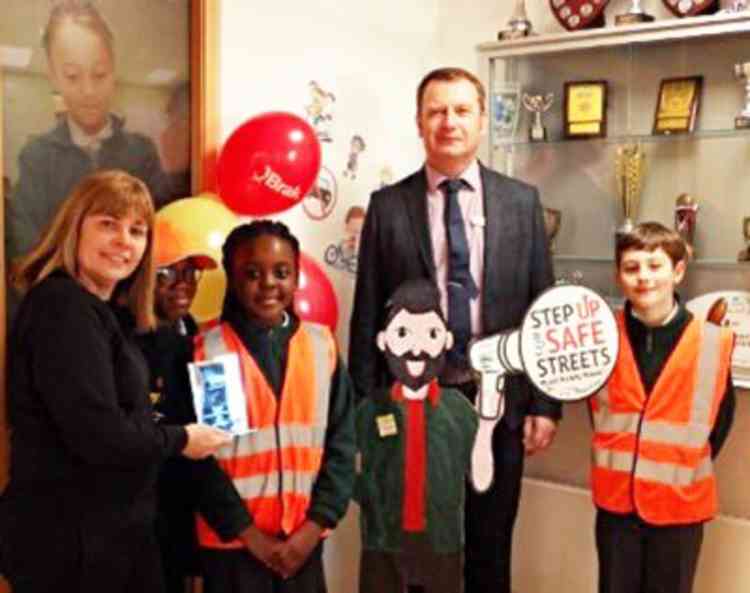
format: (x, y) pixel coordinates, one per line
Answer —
(386, 425)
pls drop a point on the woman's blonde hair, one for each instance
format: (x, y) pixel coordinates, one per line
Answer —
(117, 194)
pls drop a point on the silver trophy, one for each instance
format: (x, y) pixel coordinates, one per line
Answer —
(519, 24)
(537, 104)
(634, 15)
(742, 73)
(734, 6)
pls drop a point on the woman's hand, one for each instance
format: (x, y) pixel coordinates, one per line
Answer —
(204, 440)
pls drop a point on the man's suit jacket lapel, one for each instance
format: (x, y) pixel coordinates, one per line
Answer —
(415, 197)
(501, 242)
(501, 236)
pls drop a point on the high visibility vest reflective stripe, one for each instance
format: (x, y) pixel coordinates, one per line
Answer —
(651, 454)
(275, 467)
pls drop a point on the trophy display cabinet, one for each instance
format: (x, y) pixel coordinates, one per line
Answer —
(579, 177)
(705, 156)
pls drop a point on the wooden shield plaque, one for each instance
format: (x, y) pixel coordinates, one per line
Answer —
(691, 7)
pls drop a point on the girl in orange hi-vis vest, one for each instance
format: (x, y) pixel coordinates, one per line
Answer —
(659, 422)
(295, 470)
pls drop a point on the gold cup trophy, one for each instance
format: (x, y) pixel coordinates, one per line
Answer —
(744, 255)
(742, 73)
(552, 220)
(630, 169)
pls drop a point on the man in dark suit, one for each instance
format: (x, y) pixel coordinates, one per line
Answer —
(489, 262)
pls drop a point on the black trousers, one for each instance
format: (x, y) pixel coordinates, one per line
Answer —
(635, 557)
(123, 563)
(382, 572)
(490, 517)
(238, 571)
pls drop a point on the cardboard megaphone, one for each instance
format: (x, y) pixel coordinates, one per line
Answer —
(567, 346)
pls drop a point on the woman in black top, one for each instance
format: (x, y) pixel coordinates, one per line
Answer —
(78, 511)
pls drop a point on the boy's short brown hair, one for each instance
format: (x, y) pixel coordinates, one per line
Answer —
(650, 236)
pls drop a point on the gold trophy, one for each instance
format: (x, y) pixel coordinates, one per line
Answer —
(630, 168)
(744, 255)
(742, 73)
(552, 220)
(634, 15)
(686, 219)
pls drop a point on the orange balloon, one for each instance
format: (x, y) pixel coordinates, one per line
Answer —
(208, 222)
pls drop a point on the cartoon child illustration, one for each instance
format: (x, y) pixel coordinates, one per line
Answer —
(319, 111)
(343, 256)
(357, 146)
(321, 199)
(412, 530)
(355, 219)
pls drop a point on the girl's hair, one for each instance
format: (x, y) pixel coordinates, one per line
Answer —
(246, 233)
(81, 12)
(117, 194)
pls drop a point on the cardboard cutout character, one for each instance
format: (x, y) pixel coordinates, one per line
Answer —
(415, 441)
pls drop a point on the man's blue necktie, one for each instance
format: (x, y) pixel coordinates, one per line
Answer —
(460, 284)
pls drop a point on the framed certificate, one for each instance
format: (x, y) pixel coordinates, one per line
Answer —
(677, 105)
(585, 109)
(505, 107)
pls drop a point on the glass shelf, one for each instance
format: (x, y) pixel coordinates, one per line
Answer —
(658, 32)
(583, 258)
(629, 139)
(723, 263)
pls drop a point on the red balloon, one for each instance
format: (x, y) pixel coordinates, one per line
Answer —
(315, 299)
(268, 164)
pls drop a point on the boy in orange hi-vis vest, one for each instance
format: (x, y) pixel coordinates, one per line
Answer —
(295, 470)
(658, 424)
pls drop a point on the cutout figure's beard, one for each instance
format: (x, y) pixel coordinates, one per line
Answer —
(414, 371)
